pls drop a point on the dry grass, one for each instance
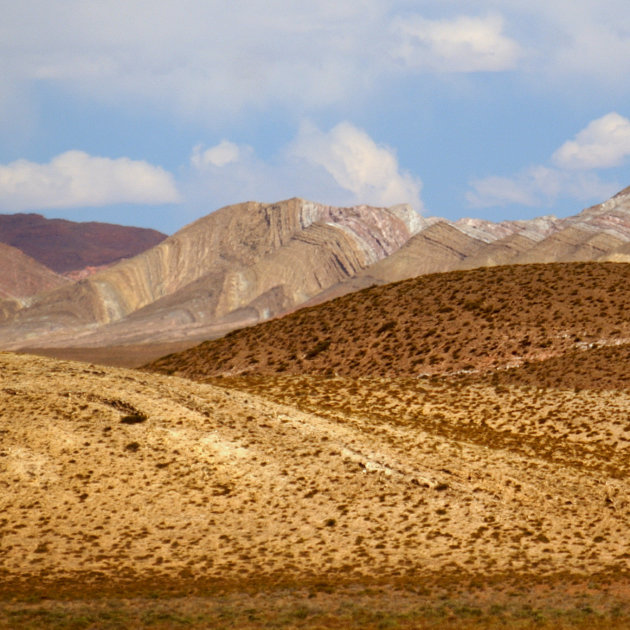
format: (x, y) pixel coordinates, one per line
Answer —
(375, 498)
(115, 479)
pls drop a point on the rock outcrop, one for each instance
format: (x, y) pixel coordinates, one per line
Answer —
(601, 232)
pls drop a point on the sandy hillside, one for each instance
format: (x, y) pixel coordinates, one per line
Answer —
(122, 476)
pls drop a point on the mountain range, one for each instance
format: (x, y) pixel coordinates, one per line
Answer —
(251, 262)
(443, 450)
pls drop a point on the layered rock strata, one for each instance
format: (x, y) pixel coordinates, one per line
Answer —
(239, 265)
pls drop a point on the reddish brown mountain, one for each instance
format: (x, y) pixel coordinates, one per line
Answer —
(486, 318)
(65, 246)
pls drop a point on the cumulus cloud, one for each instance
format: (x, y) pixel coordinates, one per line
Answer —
(219, 155)
(462, 44)
(357, 164)
(74, 179)
(343, 166)
(603, 143)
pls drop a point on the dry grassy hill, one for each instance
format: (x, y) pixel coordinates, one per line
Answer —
(292, 500)
(469, 320)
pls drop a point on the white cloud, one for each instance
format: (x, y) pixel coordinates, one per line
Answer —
(500, 191)
(578, 37)
(462, 44)
(341, 167)
(223, 153)
(201, 59)
(603, 143)
(359, 165)
(74, 179)
(538, 186)
(212, 60)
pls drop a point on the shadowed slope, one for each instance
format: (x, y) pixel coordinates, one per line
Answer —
(22, 276)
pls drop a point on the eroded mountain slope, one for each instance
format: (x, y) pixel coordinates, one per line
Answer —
(240, 264)
(601, 233)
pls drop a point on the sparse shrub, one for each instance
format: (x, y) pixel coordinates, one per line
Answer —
(386, 326)
(134, 418)
(318, 348)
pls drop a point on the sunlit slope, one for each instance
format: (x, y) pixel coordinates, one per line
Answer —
(116, 475)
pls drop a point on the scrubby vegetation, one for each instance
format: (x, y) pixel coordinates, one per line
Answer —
(484, 319)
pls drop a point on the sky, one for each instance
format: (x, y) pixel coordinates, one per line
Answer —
(155, 113)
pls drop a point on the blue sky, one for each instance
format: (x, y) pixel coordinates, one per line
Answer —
(156, 113)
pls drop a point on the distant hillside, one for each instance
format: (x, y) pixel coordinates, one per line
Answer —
(440, 323)
(252, 261)
(65, 246)
(22, 277)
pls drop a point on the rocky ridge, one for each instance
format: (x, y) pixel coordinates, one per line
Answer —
(601, 232)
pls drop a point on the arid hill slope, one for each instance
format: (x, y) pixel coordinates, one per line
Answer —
(113, 477)
(236, 266)
(22, 277)
(466, 320)
(65, 246)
